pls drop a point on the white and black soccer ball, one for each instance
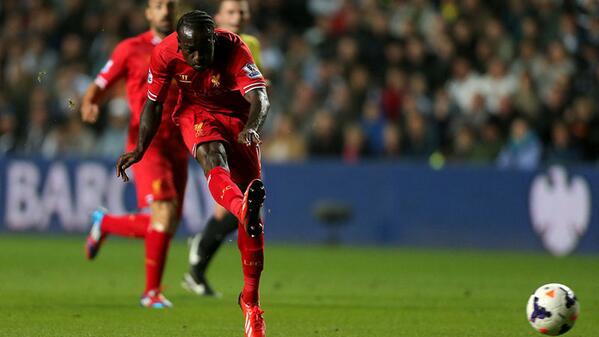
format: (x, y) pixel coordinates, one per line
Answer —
(552, 309)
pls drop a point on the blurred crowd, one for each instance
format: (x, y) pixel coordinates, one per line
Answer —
(510, 83)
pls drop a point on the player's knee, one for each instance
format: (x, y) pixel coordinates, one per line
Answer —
(165, 216)
(211, 155)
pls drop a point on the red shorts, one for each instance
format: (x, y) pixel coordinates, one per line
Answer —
(199, 126)
(162, 172)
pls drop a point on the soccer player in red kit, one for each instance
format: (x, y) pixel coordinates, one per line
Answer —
(222, 107)
(160, 178)
(232, 15)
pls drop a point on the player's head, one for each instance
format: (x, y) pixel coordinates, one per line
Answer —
(195, 34)
(161, 15)
(233, 15)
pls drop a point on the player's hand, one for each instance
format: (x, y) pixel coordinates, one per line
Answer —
(125, 161)
(249, 136)
(89, 112)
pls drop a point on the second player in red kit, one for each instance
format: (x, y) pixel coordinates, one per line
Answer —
(222, 107)
(161, 176)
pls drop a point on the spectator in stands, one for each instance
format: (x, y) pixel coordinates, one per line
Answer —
(464, 86)
(494, 34)
(582, 117)
(523, 149)
(394, 54)
(354, 144)
(529, 60)
(526, 100)
(392, 142)
(324, 139)
(488, 147)
(444, 50)
(286, 144)
(418, 94)
(372, 124)
(569, 34)
(463, 145)
(418, 60)
(463, 38)
(497, 84)
(556, 68)
(560, 150)
(359, 89)
(393, 93)
(444, 112)
(420, 141)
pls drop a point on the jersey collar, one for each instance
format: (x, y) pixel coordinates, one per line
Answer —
(153, 39)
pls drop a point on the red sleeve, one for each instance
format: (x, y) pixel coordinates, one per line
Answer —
(115, 68)
(159, 75)
(247, 74)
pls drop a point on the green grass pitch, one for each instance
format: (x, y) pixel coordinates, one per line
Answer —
(47, 288)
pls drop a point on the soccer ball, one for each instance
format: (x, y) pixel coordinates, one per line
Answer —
(552, 309)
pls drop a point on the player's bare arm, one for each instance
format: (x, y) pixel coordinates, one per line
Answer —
(89, 103)
(148, 125)
(112, 72)
(259, 106)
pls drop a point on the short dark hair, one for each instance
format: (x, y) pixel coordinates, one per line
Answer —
(196, 19)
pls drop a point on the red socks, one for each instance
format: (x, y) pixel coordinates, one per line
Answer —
(227, 194)
(224, 191)
(134, 225)
(157, 244)
(252, 260)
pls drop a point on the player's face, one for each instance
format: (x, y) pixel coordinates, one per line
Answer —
(161, 15)
(197, 47)
(233, 15)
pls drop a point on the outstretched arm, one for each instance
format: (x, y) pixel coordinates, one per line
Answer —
(89, 103)
(148, 126)
(259, 106)
(114, 70)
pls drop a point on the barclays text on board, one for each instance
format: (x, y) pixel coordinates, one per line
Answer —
(394, 204)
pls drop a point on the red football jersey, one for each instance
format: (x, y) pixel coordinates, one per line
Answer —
(131, 60)
(218, 89)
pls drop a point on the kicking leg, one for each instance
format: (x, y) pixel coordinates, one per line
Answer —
(213, 159)
(212, 156)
